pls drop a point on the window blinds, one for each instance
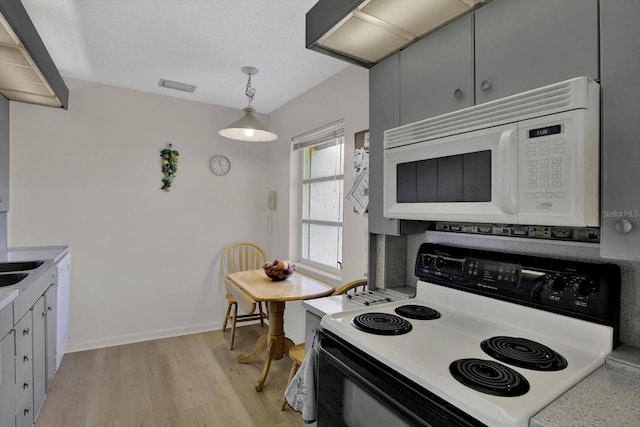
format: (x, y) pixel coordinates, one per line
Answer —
(325, 134)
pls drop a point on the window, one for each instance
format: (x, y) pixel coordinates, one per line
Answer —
(321, 189)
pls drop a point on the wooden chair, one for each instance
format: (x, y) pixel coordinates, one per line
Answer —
(241, 256)
(354, 286)
(297, 352)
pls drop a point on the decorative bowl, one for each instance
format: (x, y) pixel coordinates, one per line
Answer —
(279, 269)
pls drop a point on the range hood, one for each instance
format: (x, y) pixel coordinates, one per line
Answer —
(365, 32)
(27, 72)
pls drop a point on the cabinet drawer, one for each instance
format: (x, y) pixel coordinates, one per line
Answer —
(24, 379)
(24, 412)
(24, 362)
(24, 334)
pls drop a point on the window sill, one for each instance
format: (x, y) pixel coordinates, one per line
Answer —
(316, 273)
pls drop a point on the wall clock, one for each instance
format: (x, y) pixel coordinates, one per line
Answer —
(219, 165)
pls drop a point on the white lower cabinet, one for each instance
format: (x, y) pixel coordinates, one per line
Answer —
(24, 370)
(34, 329)
(39, 352)
(7, 379)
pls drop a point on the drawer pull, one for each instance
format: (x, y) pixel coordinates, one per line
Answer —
(25, 385)
(49, 308)
(25, 358)
(26, 331)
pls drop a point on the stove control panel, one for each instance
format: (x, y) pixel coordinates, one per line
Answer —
(579, 289)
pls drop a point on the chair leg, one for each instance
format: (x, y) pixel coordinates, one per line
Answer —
(262, 316)
(233, 325)
(294, 369)
(226, 317)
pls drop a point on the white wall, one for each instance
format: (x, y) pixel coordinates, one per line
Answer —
(345, 95)
(145, 262)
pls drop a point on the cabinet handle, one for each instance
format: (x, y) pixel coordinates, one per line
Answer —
(25, 332)
(26, 411)
(458, 93)
(49, 308)
(44, 314)
(623, 226)
(486, 84)
(25, 358)
(25, 385)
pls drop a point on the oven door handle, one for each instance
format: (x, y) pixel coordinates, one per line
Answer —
(508, 171)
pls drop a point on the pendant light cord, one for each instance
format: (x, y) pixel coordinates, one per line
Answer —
(250, 92)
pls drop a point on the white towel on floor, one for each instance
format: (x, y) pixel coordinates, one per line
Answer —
(301, 392)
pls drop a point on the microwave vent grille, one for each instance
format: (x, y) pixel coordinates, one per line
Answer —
(555, 98)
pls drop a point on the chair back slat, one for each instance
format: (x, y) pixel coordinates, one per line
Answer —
(242, 256)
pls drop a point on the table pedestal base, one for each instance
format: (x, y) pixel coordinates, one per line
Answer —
(274, 343)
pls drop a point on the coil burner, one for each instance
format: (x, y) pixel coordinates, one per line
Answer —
(487, 376)
(381, 324)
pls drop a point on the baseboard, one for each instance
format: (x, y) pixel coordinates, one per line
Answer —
(73, 347)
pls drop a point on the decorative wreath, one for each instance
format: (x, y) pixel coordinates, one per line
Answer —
(169, 166)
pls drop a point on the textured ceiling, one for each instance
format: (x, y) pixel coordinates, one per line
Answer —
(135, 43)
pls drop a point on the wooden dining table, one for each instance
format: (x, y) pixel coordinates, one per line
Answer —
(251, 286)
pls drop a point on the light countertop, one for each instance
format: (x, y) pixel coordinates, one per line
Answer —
(36, 253)
(610, 396)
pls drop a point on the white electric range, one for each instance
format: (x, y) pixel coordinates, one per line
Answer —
(489, 339)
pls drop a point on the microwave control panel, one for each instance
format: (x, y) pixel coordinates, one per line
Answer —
(545, 151)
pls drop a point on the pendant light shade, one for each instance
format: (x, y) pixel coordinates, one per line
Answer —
(248, 128)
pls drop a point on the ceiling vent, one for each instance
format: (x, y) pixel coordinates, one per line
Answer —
(27, 72)
(170, 84)
(365, 32)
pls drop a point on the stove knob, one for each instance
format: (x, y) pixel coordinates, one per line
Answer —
(439, 262)
(558, 283)
(584, 287)
(427, 261)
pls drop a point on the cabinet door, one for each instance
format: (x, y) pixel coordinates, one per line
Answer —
(620, 35)
(4, 154)
(524, 44)
(436, 73)
(311, 326)
(39, 354)
(7, 380)
(384, 113)
(51, 301)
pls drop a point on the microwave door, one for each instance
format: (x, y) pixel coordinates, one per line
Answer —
(466, 177)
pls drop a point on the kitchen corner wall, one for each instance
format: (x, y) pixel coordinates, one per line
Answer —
(145, 261)
(345, 95)
(3, 231)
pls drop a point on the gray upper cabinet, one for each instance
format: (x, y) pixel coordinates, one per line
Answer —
(524, 44)
(4, 154)
(620, 47)
(436, 73)
(384, 113)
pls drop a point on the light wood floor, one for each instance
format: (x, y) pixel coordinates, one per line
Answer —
(190, 381)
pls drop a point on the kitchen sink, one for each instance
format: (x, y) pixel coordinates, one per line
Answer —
(19, 266)
(11, 279)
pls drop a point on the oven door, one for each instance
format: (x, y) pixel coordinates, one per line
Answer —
(355, 390)
(467, 177)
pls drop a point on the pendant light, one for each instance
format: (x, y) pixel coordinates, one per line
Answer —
(248, 128)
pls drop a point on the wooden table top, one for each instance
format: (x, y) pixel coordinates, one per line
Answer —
(297, 287)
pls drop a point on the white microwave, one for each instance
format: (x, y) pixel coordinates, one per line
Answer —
(531, 158)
